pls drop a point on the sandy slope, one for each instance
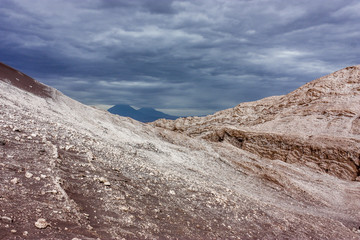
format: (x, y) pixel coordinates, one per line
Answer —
(93, 175)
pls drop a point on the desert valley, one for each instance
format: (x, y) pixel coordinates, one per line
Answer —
(284, 167)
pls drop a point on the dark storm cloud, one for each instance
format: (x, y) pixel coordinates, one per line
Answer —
(184, 56)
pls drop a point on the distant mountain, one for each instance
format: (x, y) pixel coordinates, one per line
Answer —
(142, 115)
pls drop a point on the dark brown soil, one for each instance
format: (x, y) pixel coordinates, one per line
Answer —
(23, 81)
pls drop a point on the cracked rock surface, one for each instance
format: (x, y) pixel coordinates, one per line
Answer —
(69, 171)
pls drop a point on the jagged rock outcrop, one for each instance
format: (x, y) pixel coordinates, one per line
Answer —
(317, 124)
(70, 171)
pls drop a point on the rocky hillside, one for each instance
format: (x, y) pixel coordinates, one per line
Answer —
(317, 125)
(69, 171)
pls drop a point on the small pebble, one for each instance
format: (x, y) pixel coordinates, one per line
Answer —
(25, 233)
(13, 231)
(28, 175)
(6, 219)
(102, 179)
(14, 180)
(41, 223)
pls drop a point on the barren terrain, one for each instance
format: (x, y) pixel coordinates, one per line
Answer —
(280, 168)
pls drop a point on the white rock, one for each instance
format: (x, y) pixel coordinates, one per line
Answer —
(14, 180)
(102, 179)
(28, 174)
(41, 223)
(6, 219)
(15, 129)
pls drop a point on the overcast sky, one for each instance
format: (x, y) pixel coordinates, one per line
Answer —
(184, 57)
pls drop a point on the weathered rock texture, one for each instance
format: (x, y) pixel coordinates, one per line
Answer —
(317, 124)
(68, 171)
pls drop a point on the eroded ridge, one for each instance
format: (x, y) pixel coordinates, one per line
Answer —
(317, 124)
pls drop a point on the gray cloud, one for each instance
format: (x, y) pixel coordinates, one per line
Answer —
(181, 56)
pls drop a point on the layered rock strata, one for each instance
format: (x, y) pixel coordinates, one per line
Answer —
(317, 124)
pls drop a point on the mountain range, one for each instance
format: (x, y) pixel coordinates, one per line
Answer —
(284, 167)
(142, 114)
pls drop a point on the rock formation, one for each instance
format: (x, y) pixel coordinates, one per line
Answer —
(317, 125)
(69, 171)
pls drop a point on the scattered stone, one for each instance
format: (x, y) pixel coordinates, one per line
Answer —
(13, 231)
(102, 179)
(14, 180)
(28, 175)
(17, 138)
(15, 129)
(25, 233)
(52, 191)
(76, 239)
(6, 219)
(37, 178)
(42, 151)
(121, 197)
(172, 192)
(41, 223)
(42, 175)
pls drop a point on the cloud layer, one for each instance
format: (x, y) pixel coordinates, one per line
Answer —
(185, 57)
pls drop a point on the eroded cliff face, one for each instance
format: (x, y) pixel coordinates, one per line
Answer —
(70, 171)
(317, 124)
